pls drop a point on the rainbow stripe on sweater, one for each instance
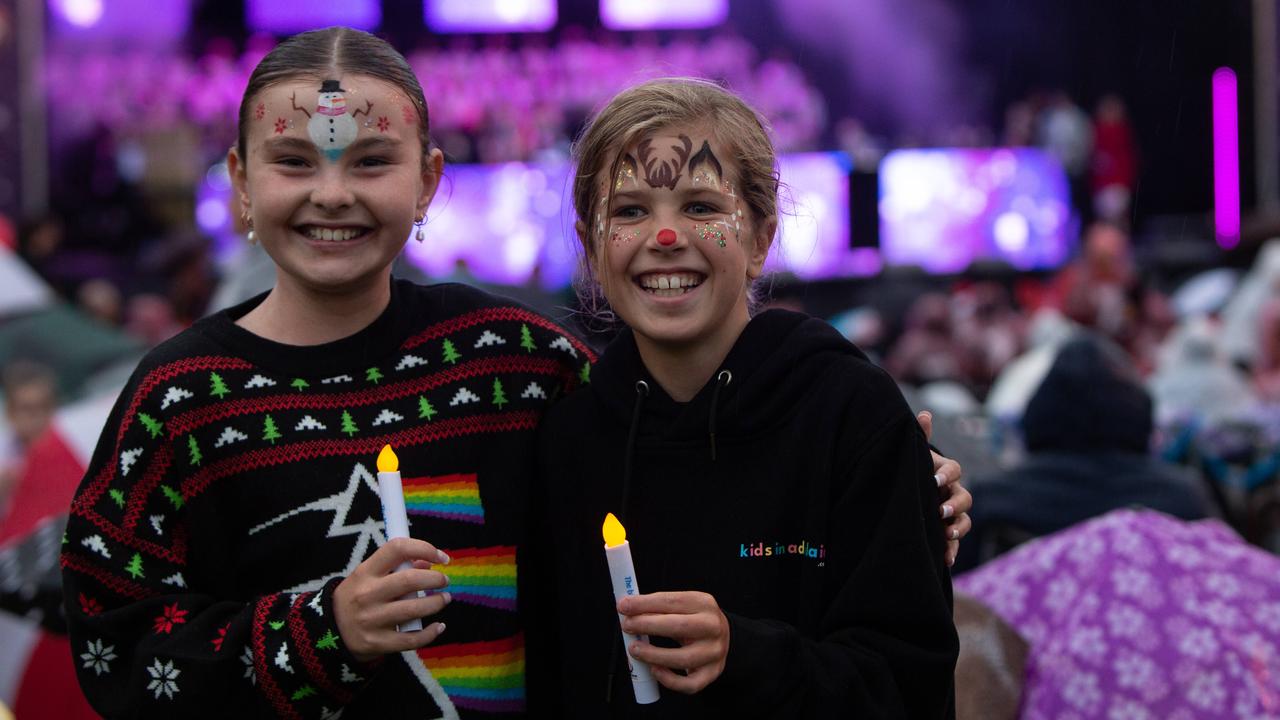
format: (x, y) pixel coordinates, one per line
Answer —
(483, 576)
(484, 676)
(452, 497)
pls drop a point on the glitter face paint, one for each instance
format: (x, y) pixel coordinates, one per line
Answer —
(709, 232)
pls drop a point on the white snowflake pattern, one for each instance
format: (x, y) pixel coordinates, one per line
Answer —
(1132, 582)
(247, 659)
(98, 657)
(1009, 600)
(1224, 585)
(1081, 691)
(259, 381)
(534, 391)
(155, 523)
(386, 417)
(1061, 593)
(1206, 691)
(489, 338)
(1199, 644)
(1088, 642)
(164, 678)
(176, 580)
(1128, 710)
(1133, 670)
(1125, 620)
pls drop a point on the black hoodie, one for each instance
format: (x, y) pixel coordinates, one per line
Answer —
(796, 488)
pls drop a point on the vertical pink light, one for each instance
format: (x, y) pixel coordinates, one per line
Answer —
(1226, 158)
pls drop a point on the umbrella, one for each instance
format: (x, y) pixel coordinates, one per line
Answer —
(1141, 616)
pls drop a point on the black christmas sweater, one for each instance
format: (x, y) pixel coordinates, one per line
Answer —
(234, 487)
(796, 488)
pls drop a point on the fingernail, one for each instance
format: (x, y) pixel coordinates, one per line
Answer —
(449, 598)
(444, 557)
(951, 561)
(955, 534)
(948, 511)
(439, 628)
(939, 479)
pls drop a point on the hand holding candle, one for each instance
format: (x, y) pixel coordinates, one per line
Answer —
(622, 572)
(395, 519)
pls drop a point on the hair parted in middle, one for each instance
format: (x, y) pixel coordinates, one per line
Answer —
(652, 106)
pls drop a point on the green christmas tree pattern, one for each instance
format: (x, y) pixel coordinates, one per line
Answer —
(328, 642)
(373, 375)
(117, 496)
(194, 449)
(269, 431)
(450, 353)
(526, 339)
(299, 384)
(499, 396)
(217, 387)
(134, 568)
(174, 496)
(425, 411)
(276, 624)
(305, 691)
(584, 374)
(154, 427)
(349, 424)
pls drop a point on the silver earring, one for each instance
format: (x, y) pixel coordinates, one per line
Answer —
(421, 235)
(250, 236)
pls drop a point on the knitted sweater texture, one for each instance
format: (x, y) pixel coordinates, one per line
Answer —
(234, 487)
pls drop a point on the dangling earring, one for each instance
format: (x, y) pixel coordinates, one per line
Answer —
(421, 234)
(250, 236)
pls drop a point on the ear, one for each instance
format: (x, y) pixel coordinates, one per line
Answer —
(432, 171)
(760, 248)
(236, 168)
(584, 236)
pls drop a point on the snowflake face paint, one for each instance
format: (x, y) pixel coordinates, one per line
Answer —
(677, 261)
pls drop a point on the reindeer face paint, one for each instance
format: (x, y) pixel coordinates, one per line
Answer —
(673, 265)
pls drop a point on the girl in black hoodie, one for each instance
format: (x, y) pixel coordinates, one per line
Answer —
(776, 490)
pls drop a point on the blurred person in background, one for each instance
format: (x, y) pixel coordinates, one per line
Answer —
(1087, 431)
(100, 299)
(1113, 169)
(30, 398)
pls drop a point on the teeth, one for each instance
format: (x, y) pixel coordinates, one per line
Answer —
(675, 284)
(331, 234)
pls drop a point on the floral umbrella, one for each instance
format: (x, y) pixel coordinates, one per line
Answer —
(1141, 616)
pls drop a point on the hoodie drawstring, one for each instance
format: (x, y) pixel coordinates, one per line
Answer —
(642, 391)
(722, 380)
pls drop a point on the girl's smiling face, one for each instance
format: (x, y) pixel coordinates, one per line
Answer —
(675, 246)
(333, 214)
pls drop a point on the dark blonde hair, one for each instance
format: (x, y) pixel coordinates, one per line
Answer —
(650, 106)
(332, 53)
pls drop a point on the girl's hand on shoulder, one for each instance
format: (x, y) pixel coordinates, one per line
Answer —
(694, 620)
(371, 602)
(955, 501)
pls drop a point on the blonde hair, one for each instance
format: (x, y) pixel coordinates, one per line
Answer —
(650, 106)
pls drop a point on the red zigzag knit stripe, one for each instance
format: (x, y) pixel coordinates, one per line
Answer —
(261, 662)
(302, 642)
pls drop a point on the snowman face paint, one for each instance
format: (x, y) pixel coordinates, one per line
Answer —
(330, 127)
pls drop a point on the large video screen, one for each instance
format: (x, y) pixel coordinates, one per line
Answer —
(944, 208)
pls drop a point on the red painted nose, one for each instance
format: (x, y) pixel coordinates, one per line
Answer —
(666, 236)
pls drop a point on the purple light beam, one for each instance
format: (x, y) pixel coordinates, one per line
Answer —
(1226, 158)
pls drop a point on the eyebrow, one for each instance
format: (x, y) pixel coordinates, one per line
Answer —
(295, 144)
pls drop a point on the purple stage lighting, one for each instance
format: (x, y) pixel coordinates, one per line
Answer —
(647, 14)
(1226, 158)
(942, 209)
(482, 16)
(136, 21)
(291, 16)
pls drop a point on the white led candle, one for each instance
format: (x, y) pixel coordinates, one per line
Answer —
(617, 551)
(396, 520)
